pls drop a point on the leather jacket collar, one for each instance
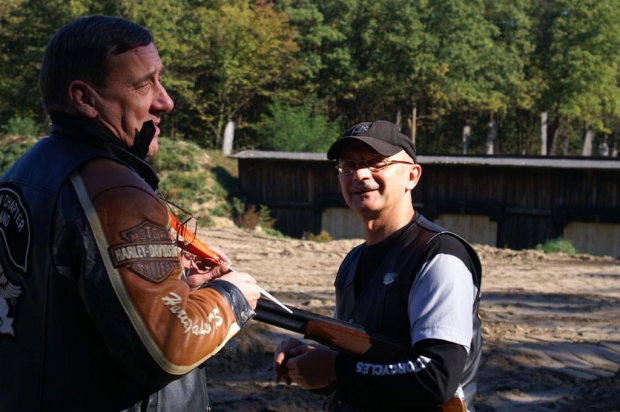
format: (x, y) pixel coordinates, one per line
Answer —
(85, 131)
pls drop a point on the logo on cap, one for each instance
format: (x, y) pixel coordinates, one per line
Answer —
(362, 128)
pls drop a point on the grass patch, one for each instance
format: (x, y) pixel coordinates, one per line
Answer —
(321, 237)
(196, 179)
(558, 245)
(275, 233)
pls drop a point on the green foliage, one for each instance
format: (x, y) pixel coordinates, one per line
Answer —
(275, 233)
(266, 221)
(558, 245)
(202, 181)
(25, 28)
(296, 128)
(184, 170)
(222, 210)
(20, 126)
(255, 62)
(234, 52)
(578, 61)
(176, 155)
(249, 217)
(182, 188)
(238, 207)
(12, 148)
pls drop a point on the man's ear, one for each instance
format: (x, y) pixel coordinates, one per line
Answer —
(83, 99)
(414, 176)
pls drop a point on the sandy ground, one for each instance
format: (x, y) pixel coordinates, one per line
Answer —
(551, 326)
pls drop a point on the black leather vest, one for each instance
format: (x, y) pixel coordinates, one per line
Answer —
(382, 306)
(29, 190)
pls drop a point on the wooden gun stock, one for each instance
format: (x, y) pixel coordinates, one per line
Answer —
(340, 336)
(335, 334)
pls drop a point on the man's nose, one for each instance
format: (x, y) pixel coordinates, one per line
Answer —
(163, 102)
(361, 172)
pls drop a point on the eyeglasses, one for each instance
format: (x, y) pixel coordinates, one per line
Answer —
(186, 228)
(188, 225)
(374, 164)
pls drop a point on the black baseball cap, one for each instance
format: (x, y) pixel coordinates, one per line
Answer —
(383, 136)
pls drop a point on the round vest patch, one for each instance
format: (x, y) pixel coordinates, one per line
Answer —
(14, 228)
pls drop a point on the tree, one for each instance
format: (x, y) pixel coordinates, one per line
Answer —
(359, 53)
(234, 53)
(381, 59)
(475, 52)
(577, 54)
(452, 61)
(515, 77)
(25, 28)
(301, 128)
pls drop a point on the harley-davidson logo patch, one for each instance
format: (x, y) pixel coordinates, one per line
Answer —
(147, 251)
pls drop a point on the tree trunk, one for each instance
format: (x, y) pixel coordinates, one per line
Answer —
(543, 133)
(587, 142)
(398, 118)
(229, 135)
(524, 138)
(565, 138)
(491, 135)
(412, 123)
(552, 132)
(466, 135)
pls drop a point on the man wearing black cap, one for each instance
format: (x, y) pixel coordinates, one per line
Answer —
(411, 280)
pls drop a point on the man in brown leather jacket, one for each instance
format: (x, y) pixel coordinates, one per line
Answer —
(94, 309)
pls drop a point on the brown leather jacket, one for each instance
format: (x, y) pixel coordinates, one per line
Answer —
(101, 318)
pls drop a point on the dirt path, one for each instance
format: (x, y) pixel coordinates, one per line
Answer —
(551, 326)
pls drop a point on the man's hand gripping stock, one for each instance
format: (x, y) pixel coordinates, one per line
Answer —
(206, 263)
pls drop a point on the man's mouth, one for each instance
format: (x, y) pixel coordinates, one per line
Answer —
(360, 190)
(157, 130)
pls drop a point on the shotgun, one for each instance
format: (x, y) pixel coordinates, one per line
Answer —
(340, 336)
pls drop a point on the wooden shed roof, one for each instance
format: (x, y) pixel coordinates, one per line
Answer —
(258, 154)
(509, 161)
